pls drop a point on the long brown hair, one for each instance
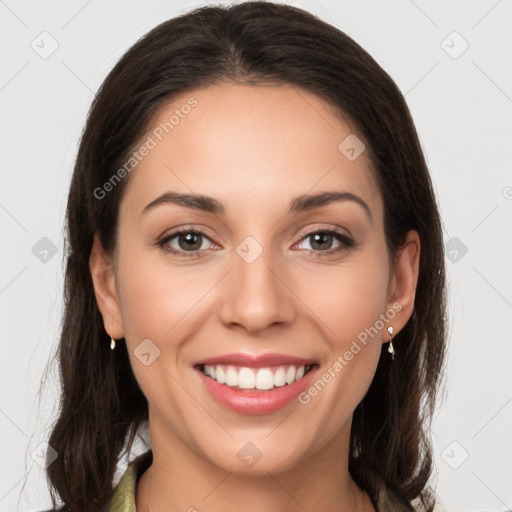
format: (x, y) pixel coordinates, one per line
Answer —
(102, 406)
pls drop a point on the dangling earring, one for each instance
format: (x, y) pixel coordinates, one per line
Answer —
(391, 350)
(112, 343)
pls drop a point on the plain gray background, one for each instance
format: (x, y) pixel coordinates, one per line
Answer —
(461, 101)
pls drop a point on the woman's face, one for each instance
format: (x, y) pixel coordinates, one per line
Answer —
(248, 277)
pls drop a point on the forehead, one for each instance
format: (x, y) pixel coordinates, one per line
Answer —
(252, 147)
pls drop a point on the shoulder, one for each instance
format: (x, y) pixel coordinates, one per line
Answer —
(123, 497)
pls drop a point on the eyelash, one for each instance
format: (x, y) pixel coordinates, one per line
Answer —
(346, 242)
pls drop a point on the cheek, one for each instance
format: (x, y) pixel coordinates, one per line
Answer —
(349, 300)
(144, 309)
(154, 306)
(155, 296)
(350, 308)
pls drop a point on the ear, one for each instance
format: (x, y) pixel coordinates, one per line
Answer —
(104, 280)
(402, 288)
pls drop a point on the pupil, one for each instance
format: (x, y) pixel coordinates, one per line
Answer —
(189, 237)
(322, 236)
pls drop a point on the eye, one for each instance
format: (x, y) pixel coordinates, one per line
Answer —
(321, 241)
(188, 243)
(184, 243)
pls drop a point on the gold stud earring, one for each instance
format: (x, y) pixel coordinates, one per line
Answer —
(112, 343)
(391, 350)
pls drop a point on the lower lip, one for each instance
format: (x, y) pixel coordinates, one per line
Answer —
(254, 401)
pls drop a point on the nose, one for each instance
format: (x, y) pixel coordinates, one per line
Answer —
(256, 295)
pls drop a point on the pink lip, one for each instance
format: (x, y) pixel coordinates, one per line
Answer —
(251, 361)
(255, 402)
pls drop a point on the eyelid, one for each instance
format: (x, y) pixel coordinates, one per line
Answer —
(334, 229)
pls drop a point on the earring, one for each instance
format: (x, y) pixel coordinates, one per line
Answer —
(391, 350)
(112, 343)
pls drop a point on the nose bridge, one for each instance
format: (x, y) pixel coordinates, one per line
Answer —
(256, 297)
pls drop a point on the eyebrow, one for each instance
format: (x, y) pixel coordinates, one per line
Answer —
(302, 203)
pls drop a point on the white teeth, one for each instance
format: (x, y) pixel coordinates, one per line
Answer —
(264, 379)
(231, 377)
(246, 379)
(252, 378)
(220, 375)
(280, 377)
(290, 375)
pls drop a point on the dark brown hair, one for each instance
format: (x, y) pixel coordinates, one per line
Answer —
(102, 406)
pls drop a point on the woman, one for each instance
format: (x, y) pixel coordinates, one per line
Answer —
(255, 270)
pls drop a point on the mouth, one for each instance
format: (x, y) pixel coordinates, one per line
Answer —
(255, 385)
(243, 378)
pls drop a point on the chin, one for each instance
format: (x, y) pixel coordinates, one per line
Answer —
(255, 457)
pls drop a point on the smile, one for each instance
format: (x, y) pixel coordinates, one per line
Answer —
(261, 379)
(255, 384)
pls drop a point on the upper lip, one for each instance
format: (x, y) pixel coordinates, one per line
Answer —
(253, 361)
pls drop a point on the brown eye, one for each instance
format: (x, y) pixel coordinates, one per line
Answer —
(321, 241)
(189, 241)
(184, 243)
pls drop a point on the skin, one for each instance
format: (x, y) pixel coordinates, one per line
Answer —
(253, 148)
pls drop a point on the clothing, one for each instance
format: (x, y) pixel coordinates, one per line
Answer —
(123, 499)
